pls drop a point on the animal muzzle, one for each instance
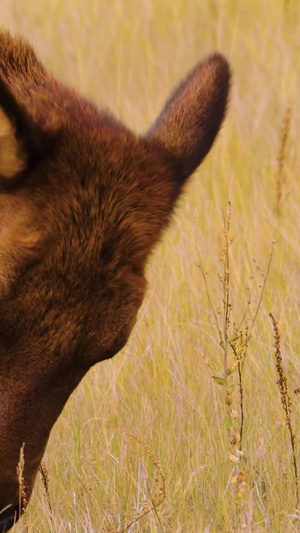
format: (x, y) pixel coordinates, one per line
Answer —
(8, 517)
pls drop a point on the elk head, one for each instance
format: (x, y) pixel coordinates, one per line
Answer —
(83, 201)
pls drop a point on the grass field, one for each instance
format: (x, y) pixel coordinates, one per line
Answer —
(152, 429)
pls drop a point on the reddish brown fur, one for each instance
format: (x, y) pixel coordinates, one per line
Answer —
(79, 218)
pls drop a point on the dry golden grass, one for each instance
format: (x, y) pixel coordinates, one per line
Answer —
(127, 56)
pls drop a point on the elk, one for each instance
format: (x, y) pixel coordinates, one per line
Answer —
(83, 202)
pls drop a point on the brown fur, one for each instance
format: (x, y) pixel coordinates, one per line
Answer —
(83, 202)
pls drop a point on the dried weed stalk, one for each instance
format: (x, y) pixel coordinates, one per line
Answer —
(234, 341)
(45, 481)
(280, 176)
(22, 489)
(285, 398)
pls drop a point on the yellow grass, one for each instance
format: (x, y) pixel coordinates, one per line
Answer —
(127, 55)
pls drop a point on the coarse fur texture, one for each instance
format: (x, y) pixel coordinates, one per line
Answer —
(83, 202)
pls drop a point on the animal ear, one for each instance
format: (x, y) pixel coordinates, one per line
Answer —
(22, 141)
(12, 156)
(191, 118)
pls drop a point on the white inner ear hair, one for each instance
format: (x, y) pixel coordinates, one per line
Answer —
(12, 160)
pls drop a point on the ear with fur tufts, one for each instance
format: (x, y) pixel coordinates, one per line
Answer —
(22, 142)
(191, 118)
